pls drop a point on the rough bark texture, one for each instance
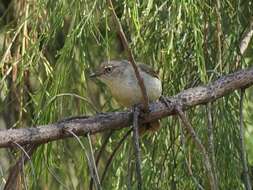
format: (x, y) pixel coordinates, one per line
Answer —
(117, 120)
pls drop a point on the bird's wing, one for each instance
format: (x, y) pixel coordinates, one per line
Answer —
(148, 69)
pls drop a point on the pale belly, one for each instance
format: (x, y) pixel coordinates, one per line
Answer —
(128, 93)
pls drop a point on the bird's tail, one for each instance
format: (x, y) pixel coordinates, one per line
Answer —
(150, 127)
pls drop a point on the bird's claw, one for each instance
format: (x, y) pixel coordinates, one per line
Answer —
(166, 100)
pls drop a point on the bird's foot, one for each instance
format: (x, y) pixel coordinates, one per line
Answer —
(166, 100)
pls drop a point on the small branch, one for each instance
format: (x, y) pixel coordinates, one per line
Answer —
(245, 41)
(137, 150)
(89, 161)
(242, 147)
(129, 169)
(7, 52)
(219, 34)
(94, 166)
(112, 155)
(183, 144)
(14, 183)
(106, 140)
(118, 120)
(102, 148)
(130, 56)
(197, 141)
(211, 140)
(246, 38)
(15, 170)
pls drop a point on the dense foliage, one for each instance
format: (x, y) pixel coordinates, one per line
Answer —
(48, 49)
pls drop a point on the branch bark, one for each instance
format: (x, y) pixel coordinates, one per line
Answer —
(117, 120)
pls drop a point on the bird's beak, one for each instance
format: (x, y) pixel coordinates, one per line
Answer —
(95, 74)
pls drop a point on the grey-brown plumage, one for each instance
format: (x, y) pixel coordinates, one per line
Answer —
(146, 68)
(120, 78)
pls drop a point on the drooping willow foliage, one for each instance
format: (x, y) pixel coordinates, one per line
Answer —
(48, 49)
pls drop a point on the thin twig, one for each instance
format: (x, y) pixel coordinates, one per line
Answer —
(183, 144)
(97, 184)
(15, 170)
(8, 52)
(197, 141)
(129, 169)
(219, 35)
(242, 147)
(143, 91)
(93, 162)
(106, 140)
(27, 155)
(56, 178)
(247, 37)
(10, 45)
(22, 168)
(137, 150)
(245, 42)
(23, 176)
(113, 153)
(130, 56)
(210, 132)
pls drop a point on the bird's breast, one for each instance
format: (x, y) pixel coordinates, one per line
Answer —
(128, 93)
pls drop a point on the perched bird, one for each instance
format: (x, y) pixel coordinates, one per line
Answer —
(120, 78)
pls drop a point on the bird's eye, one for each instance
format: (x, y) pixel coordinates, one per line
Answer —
(108, 69)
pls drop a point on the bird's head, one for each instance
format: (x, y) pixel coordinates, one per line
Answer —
(110, 71)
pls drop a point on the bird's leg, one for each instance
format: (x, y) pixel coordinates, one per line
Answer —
(142, 112)
(166, 100)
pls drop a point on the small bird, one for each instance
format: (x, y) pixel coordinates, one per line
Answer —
(120, 78)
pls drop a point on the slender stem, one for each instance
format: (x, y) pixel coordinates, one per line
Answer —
(242, 147)
(247, 37)
(245, 42)
(219, 34)
(201, 147)
(130, 56)
(106, 140)
(137, 150)
(113, 153)
(94, 166)
(90, 165)
(15, 170)
(210, 131)
(183, 144)
(129, 169)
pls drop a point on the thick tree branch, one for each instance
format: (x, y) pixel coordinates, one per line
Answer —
(117, 120)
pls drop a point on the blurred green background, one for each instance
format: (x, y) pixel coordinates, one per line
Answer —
(48, 48)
